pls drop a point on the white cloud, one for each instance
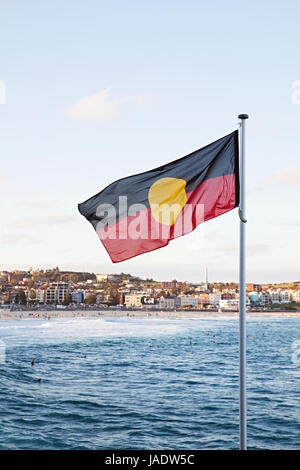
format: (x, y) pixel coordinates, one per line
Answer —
(101, 106)
(289, 223)
(232, 249)
(38, 220)
(289, 175)
(15, 238)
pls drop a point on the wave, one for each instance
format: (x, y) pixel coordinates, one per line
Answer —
(80, 328)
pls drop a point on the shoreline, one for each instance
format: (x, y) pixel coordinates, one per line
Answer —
(54, 314)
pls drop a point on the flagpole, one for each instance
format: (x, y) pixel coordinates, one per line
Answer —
(242, 291)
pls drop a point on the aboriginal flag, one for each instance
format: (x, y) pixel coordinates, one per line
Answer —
(144, 212)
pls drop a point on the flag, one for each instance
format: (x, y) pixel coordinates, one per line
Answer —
(144, 212)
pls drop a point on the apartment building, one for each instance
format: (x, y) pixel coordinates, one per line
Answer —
(264, 298)
(203, 300)
(274, 296)
(229, 304)
(101, 277)
(214, 298)
(166, 302)
(40, 295)
(187, 300)
(134, 300)
(77, 297)
(57, 292)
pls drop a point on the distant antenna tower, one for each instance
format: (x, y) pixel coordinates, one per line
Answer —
(206, 275)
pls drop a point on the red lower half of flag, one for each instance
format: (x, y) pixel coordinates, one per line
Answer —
(141, 232)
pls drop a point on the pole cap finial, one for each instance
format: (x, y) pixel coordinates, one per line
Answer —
(243, 116)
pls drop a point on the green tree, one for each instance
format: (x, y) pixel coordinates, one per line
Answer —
(113, 298)
(23, 299)
(90, 299)
(32, 295)
(67, 299)
(185, 287)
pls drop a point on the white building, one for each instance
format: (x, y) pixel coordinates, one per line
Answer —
(285, 296)
(56, 292)
(166, 302)
(229, 304)
(149, 300)
(40, 295)
(264, 298)
(101, 277)
(134, 300)
(215, 298)
(187, 300)
(113, 277)
(253, 296)
(296, 296)
(274, 296)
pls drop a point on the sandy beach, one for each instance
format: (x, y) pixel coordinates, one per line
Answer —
(6, 314)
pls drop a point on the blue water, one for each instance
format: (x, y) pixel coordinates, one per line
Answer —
(147, 383)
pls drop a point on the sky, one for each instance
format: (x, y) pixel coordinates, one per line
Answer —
(93, 91)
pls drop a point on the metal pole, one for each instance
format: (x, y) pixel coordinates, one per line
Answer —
(242, 292)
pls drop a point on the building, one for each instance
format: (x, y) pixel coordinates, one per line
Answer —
(187, 301)
(296, 296)
(229, 304)
(77, 297)
(274, 296)
(100, 298)
(57, 292)
(134, 300)
(101, 277)
(114, 277)
(264, 298)
(170, 284)
(285, 296)
(166, 302)
(148, 300)
(40, 295)
(252, 287)
(214, 298)
(4, 279)
(203, 300)
(254, 296)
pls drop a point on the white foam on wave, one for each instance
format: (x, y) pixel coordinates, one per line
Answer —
(91, 327)
(102, 327)
(70, 329)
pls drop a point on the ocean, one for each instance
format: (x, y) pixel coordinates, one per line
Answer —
(147, 383)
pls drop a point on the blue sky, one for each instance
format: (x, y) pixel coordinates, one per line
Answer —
(99, 90)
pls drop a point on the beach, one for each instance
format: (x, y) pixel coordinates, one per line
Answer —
(6, 314)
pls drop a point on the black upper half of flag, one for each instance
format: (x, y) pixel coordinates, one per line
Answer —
(217, 159)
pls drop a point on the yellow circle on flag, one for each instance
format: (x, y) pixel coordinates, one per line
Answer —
(167, 198)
